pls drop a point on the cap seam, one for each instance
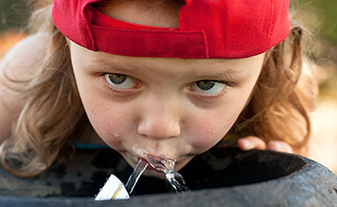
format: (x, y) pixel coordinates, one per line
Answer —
(271, 25)
(88, 16)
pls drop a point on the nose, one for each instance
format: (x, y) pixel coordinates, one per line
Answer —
(160, 120)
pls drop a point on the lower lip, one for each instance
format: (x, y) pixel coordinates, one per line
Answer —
(149, 167)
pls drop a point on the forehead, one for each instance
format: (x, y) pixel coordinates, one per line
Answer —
(203, 68)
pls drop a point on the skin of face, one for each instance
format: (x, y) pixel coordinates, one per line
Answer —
(168, 107)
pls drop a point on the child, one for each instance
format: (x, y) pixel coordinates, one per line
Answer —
(169, 78)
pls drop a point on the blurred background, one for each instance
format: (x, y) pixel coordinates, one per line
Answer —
(319, 17)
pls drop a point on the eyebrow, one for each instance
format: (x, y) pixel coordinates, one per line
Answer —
(226, 73)
(104, 66)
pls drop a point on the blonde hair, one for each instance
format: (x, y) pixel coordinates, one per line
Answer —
(53, 112)
(283, 97)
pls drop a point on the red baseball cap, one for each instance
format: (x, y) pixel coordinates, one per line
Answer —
(207, 29)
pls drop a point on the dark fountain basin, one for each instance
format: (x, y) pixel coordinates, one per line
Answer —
(235, 178)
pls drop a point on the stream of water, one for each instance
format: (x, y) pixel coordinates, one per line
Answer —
(113, 189)
(163, 164)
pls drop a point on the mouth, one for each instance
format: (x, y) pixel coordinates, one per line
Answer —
(149, 167)
(159, 163)
(163, 165)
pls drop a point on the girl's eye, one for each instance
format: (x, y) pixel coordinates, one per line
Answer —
(210, 87)
(120, 81)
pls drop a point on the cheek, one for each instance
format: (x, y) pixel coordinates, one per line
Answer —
(110, 123)
(209, 128)
(208, 133)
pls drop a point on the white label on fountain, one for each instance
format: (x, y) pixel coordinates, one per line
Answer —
(112, 190)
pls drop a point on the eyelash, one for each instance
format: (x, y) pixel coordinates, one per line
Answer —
(119, 86)
(219, 86)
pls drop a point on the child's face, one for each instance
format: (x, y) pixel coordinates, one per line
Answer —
(166, 106)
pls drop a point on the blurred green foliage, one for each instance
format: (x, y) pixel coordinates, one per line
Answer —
(326, 10)
(13, 14)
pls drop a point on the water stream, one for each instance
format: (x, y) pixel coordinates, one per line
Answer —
(163, 164)
(114, 189)
(137, 172)
(166, 165)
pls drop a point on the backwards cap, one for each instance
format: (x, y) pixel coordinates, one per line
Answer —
(207, 29)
